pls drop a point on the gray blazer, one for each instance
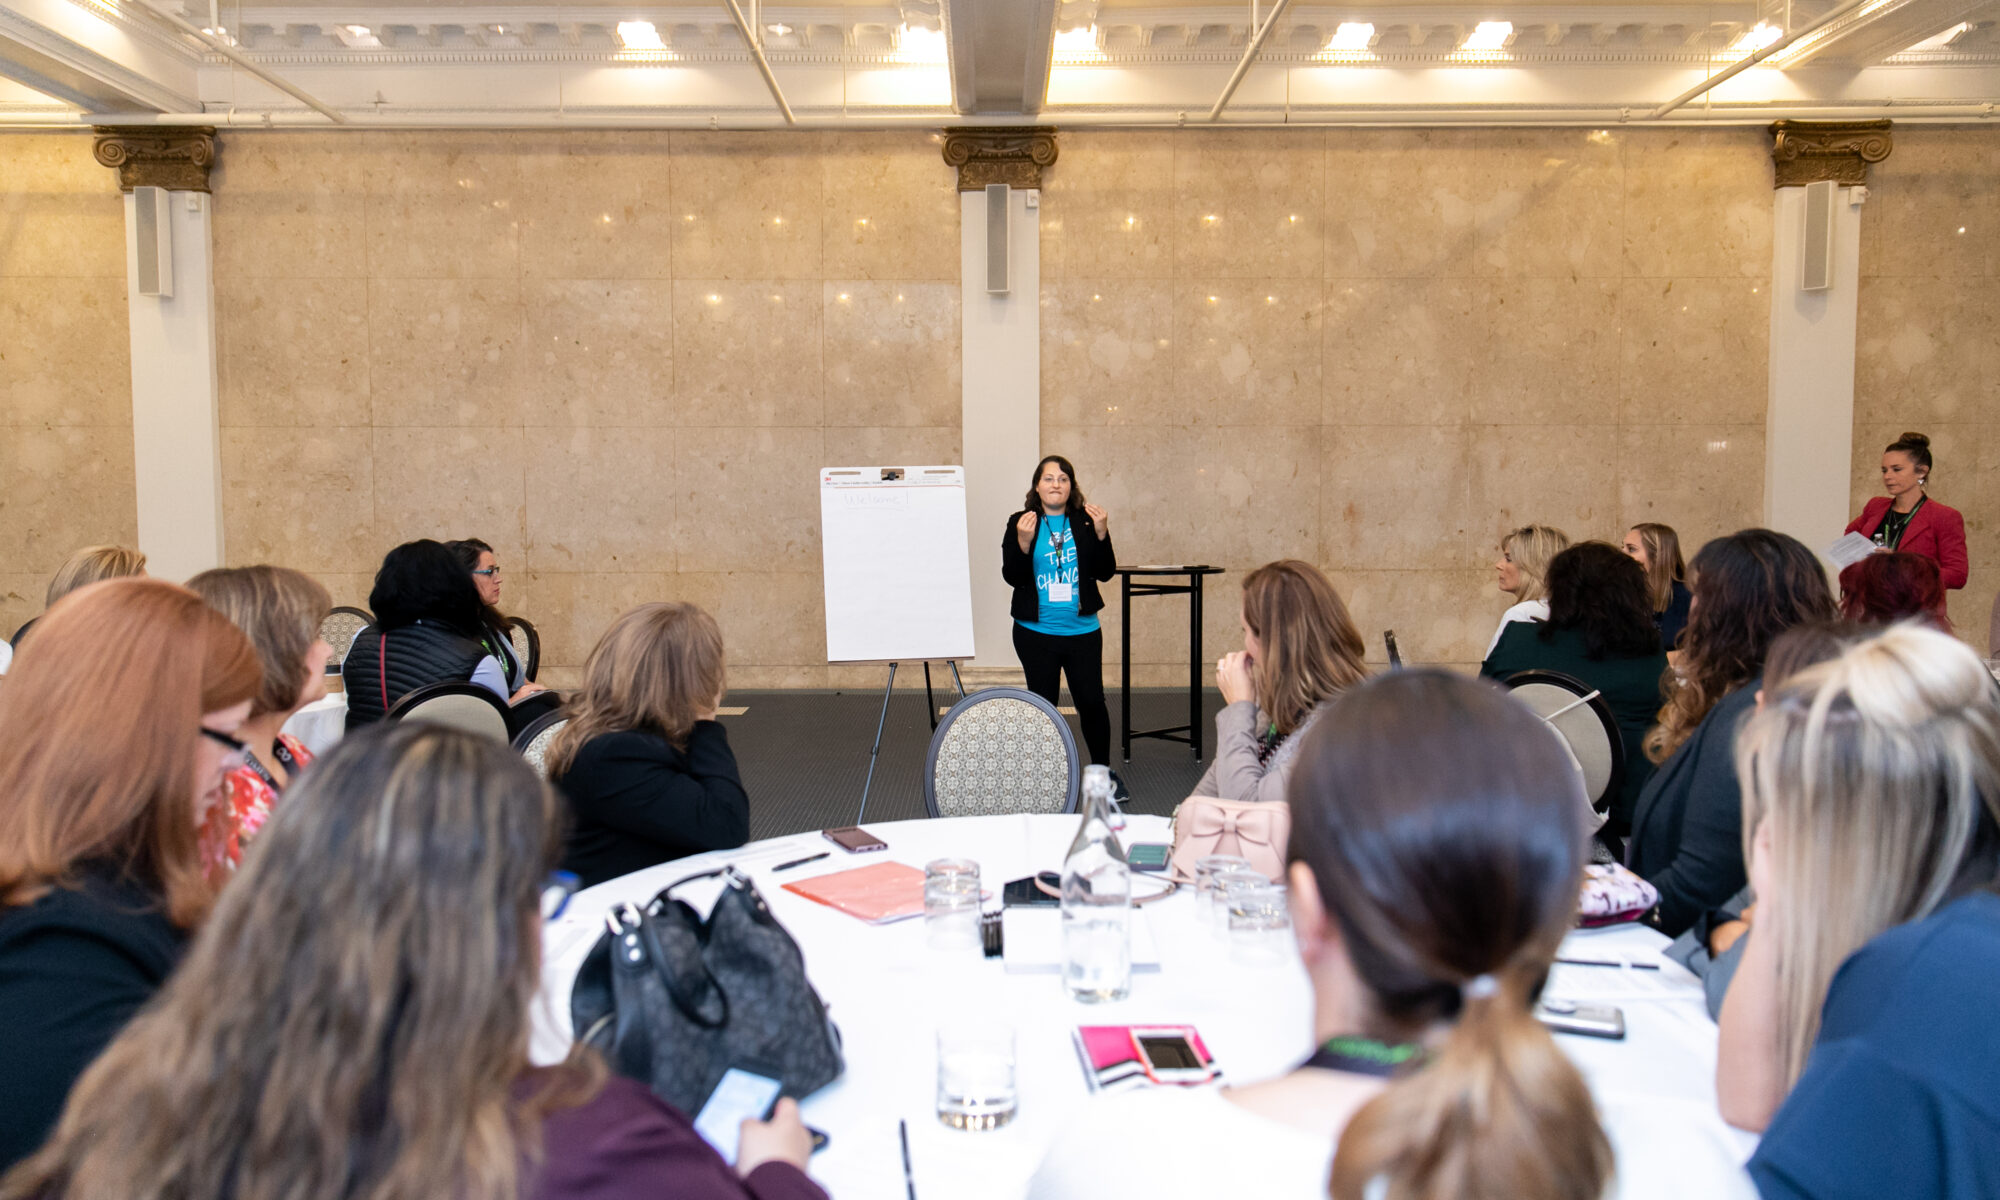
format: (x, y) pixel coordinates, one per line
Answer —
(1235, 773)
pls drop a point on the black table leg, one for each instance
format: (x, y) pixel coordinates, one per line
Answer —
(1194, 666)
(930, 701)
(1125, 663)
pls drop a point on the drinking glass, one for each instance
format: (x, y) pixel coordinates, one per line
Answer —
(975, 1080)
(1259, 921)
(1205, 871)
(951, 904)
(1225, 882)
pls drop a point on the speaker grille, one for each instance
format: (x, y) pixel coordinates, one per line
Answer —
(997, 248)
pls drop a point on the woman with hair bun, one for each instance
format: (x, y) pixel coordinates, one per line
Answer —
(1907, 520)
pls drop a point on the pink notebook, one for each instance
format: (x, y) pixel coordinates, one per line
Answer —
(1111, 1062)
(878, 894)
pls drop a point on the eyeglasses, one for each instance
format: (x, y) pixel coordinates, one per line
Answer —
(489, 572)
(237, 747)
(556, 891)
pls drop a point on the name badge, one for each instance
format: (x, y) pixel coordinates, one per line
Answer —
(1061, 593)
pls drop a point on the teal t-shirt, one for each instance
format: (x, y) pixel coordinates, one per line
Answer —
(1056, 582)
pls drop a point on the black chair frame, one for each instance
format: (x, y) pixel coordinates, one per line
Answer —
(432, 691)
(533, 663)
(1002, 693)
(534, 728)
(1598, 705)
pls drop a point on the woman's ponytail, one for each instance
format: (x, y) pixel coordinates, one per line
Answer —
(1497, 1113)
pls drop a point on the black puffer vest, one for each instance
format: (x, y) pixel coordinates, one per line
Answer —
(417, 655)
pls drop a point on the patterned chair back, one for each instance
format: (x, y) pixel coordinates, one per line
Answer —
(534, 741)
(527, 645)
(998, 751)
(337, 629)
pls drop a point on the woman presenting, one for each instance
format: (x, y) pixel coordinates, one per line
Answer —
(1054, 553)
(1909, 522)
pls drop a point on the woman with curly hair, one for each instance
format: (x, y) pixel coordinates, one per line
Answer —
(1687, 825)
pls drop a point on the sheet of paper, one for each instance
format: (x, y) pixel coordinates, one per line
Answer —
(1849, 550)
(1671, 981)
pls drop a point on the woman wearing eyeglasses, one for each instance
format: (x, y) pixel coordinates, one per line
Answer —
(121, 719)
(477, 557)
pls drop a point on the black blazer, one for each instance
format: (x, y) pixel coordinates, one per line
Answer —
(1095, 561)
(636, 801)
(1687, 827)
(75, 966)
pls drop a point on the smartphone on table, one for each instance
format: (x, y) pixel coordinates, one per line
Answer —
(1169, 1056)
(741, 1095)
(1588, 1020)
(1149, 856)
(854, 839)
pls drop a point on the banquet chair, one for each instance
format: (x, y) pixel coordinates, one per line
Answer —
(527, 645)
(460, 705)
(337, 629)
(1580, 714)
(1001, 750)
(533, 740)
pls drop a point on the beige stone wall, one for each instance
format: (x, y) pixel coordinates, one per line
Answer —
(65, 365)
(1378, 350)
(619, 358)
(1927, 356)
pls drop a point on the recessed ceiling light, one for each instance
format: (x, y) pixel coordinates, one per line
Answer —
(639, 35)
(1489, 35)
(1078, 43)
(1352, 35)
(914, 43)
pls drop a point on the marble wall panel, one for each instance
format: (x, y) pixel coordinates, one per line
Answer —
(448, 483)
(1249, 205)
(891, 208)
(20, 599)
(1933, 207)
(597, 353)
(1395, 351)
(1249, 351)
(1110, 214)
(65, 356)
(300, 497)
(863, 446)
(1927, 350)
(891, 353)
(572, 609)
(748, 352)
(750, 205)
(1547, 203)
(1693, 351)
(66, 486)
(1697, 202)
(446, 208)
(292, 205)
(1704, 480)
(595, 205)
(1565, 476)
(1543, 351)
(445, 352)
(293, 352)
(600, 499)
(769, 619)
(1401, 202)
(1396, 497)
(1108, 354)
(60, 213)
(748, 499)
(1439, 616)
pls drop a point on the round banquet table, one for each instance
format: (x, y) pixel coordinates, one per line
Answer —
(320, 724)
(889, 993)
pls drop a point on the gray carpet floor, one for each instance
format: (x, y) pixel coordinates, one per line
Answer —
(804, 755)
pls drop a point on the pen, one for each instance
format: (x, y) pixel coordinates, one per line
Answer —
(903, 1131)
(1607, 962)
(800, 862)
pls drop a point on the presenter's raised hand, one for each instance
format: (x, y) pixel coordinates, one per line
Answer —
(1232, 678)
(1024, 531)
(1099, 518)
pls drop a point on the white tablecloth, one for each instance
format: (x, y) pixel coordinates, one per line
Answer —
(320, 724)
(889, 993)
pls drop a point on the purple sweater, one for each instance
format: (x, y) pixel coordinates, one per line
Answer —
(628, 1144)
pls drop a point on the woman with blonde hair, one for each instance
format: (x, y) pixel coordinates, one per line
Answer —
(121, 718)
(352, 1022)
(279, 610)
(1657, 550)
(1871, 788)
(1300, 650)
(92, 564)
(1523, 568)
(645, 766)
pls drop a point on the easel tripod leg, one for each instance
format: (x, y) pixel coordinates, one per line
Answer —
(877, 748)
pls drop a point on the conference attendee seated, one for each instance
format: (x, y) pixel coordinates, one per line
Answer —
(1872, 784)
(426, 631)
(352, 1021)
(1524, 560)
(1599, 631)
(644, 764)
(279, 610)
(1687, 825)
(1300, 650)
(121, 718)
(1887, 587)
(1434, 864)
(478, 560)
(1657, 550)
(92, 564)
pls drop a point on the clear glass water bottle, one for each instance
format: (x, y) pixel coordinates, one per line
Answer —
(1097, 901)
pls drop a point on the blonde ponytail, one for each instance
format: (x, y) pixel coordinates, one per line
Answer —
(1498, 1113)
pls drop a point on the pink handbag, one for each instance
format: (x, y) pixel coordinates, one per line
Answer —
(1251, 829)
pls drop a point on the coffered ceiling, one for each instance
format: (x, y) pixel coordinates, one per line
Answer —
(863, 63)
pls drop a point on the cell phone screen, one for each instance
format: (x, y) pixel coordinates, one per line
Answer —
(1170, 1053)
(740, 1096)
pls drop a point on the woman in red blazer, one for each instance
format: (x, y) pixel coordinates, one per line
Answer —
(1910, 522)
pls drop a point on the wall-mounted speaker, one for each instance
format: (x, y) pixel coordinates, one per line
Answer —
(998, 247)
(153, 227)
(1816, 247)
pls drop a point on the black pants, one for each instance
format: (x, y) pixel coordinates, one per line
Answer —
(1045, 658)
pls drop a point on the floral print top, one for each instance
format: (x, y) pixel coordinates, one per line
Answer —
(247, 798)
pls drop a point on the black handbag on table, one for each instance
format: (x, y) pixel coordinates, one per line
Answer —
(675, 1001)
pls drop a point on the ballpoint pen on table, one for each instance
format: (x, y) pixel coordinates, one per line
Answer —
(1608, 962)
(909, 1181)
(800, 862)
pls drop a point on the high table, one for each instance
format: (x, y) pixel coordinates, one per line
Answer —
(1189, 733)
(889, 993)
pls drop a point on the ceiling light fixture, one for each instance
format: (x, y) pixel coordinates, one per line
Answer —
(914, 43)
(1078, 43)
(780, 29)
(639, 35)
(1755, 39)
(1489, 35)
(1352, 35)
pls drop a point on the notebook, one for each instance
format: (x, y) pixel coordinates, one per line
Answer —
(878, 893)
(1111, 1062)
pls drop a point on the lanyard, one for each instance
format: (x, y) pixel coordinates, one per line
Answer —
(285, 759)
(1365, 1056)
(1902, 527)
